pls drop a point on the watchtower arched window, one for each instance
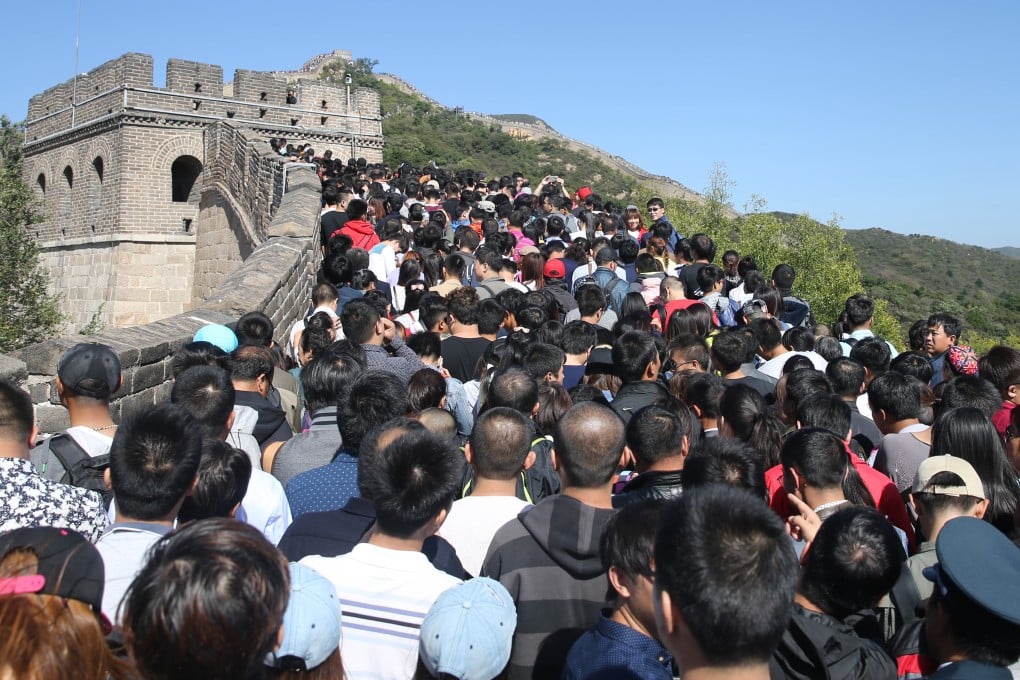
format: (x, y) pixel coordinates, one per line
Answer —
(40, 183)
(69, 176)
(184, 171)
(95, 188)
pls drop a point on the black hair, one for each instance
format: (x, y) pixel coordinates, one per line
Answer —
(153, 460)
(589, 441)
(804, 385)
(822, 459)
(356, 209)
(490, 316)
(223, 477)
(723, 558)
(951, 325)
(16, 414)
(254, 328)
(747, 414)
(514, 388)
(896, 394)
(858, 310)
(854, 560)
(729, 351)
(207, 393)
(462, 304)
(425, 389)
(828, 347)
(704, 391)
(628, 539)
(980, 636)
(584, 392)
(655, 433)
(199, 353)
(317, 334)
(633, 352)
(543, 359)
(708, 276)
(703, 247)
(358, 320)
(846, 377)
(500, 442)
(553, 402)
(721, 460)
(766, 332)
(578, 337)
(410, 480)
(829, 412)
(251, 361)
(373, 398)
(796, 363)
(590, 299)
(969, 390)
(426, 344)
(324, 379)
(872, 353)
(1001, 366)
(798, 339)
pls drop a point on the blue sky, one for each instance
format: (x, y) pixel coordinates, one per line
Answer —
(903, 115)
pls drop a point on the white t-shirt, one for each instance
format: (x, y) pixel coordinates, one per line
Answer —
(384, 595)
(124, 548)
(473, 521)
(265, 506)
(774, 367)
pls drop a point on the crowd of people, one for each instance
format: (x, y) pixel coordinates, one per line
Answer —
(521, 432)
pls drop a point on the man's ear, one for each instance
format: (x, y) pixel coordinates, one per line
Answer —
(666, 614)
(553, 460)
(627, 459)
(32, 436)
(192, 486)
(468, 453)
(529, 460)
(980, 508)
(849, 435)
(619, 581)
(107, 479)
(685, 445)
(439, 519)
(696, 410)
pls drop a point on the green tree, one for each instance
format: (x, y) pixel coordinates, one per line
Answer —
(27, 312)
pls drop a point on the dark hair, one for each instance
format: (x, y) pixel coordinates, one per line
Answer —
(208, 603)
(207, 393)
(828, 347)
(589, 441)
(859, 309)
(317, 334)
(703, 390)
(553, 402)
(799, 339)
(514, 388)
(426, 389)
(551, 333)
(462, 304)
(655, 433)
(632, 353)
(744, 410)
(846, 377)
(324, 379)
(358, 320)
(802, 385)
(729, 350)
(829, 412)
(950, 324)
(766, 332)
(374, 397)
(578, 337)
(822, 459)
(691, 348)
(912, 364)
(356, 209)
(251, 361)
(703, 247)
(796, 363)
(490, 315)
(720, 460)
(543, 359)
(968, 433)
(500, 442)
(254, 328)
(873, 353)
(223, 477)
(979, 636)
(199, 353)
(969, 390)
(723, 558)
(896, 394)
(628, 539)
(410, 480)
(854, 560)
(153, 460)
(1001, 366)
(590, 299)
(708, 276)
(16, 414)
(426, 344)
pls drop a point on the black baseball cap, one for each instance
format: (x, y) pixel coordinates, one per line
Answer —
(90, 370)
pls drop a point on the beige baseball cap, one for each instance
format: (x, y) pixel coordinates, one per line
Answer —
(930, 467)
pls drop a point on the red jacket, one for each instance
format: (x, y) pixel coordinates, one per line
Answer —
(361, 232)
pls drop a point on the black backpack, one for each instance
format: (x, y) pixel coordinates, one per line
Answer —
(81, 469)
(608, 289)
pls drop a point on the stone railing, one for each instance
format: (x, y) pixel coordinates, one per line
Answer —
(276, 279)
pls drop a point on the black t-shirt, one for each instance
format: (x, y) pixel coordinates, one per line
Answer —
(461, 355)
(330, 222)
(689, 275)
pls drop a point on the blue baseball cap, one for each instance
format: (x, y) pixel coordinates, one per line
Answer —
(468, 630)
(311, 624)
(219, 335)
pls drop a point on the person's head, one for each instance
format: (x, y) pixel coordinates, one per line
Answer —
(208, 603)
(767, 334)
(426, 389)
(50, 610)
(200, 353)
(827, 411)
(872, 353)
(500, 444)
(859, 311)
(912, 364)
(783, 277)
(946, 487)
(360, 321)
(729, 351)
(223, 476)
(799, 387)
(703, 247)
(545, 362)
(710, 279)
(514, 388)
(744, 415)
(591, 300)
(817, 460)
(252, 368)
(702, 392)
(1001, 366)
(207, 393)
(973, 611)
(579, 337)
(463, 307)
(553, 402)
(373, 398)
(626, 547)
(254, 328)
(412, 481)
(893, 397)
(357, 209)
(589, 442)
(688, 352)
(154, 459)
(88, 373)
(17, 418)
(943, 331)
(846, 377)
(854, 560)
(324, 379)
(655, 435)
(724, 578)
(636, 357)
(722, 460)
(968, 390)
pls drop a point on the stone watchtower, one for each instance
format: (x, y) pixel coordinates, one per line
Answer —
(153, 195)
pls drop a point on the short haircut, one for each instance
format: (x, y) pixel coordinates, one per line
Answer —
(912, 364)
(489, 256)
(846, 377)
(589, 441)
(425, 389)
(254, 328)
(514, 388)
(500, 441)
(358, 320)
(454, 265)
(896, 394)
(969, 390)
(374, 397)
(872, 353)
(708, 276)
(703, 247)
(690, 348)
(223, 477)
(207, 393)
(729, 350)
(805, 384)
(935, 504)
(490, 316)
(854, 560)
(1001, 366)
(858, 309)
(463, 305)
(655, 433)
(821, 458)
(426, 344)
(767, 332)
(729, 569)
(628, 539)
(356, 209)
(829, 412)
(16, 415)
(410, 480)
(208, 587)
(324, 378)
(543, 359)
(704, 390)
(590, 299)
(251, 361)
(199, 353)
(153, 460)
(951, 325)
(724, 460)
(578, 337)
(632, 353)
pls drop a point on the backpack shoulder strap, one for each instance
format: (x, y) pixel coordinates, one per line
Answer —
(69, 452)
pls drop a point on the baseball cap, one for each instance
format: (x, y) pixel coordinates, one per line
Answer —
(930, 467)
(607, 255)
(979, 562)
(487, 206)
(528, 250)
(584, 192)
(554, 269)
(754, 308)
(90, 370)
(468, 631)
(67, 566)
(311, 624)
(219, 335)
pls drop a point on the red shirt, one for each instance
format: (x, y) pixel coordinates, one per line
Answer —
(1002, 417)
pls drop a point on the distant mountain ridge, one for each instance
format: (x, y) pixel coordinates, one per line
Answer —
(1008, 251)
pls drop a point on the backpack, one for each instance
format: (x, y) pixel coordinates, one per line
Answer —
(81, 469)
(607, 289)
(849, 342)
(798, 312)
